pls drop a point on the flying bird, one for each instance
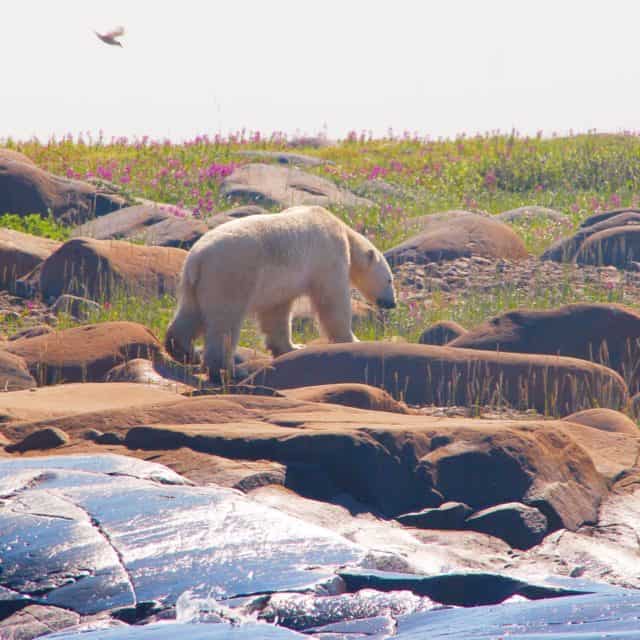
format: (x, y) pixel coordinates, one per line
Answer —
(111, 36)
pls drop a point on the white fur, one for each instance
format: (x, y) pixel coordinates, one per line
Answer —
(260, 265)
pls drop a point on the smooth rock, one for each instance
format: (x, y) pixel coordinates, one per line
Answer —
(519, 525)
(25, 189)
(427, 374)
(361, 396)
(460, 236)
(86, 353)
(441, 333)
(103, 269)
(449, 515)
(285, 187)
(605, 420)
(47, 438)
(605, 333)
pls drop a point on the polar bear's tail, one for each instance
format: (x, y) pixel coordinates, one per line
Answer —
(187, 323)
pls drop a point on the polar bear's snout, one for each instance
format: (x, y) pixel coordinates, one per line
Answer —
(384, 303)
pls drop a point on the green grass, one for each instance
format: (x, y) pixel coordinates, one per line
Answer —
(36, 225)
(576, 175)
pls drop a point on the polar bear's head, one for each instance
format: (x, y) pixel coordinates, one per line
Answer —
(374, 279)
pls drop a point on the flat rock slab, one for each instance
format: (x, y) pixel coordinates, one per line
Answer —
(597, 615)
(90, 534)
(186, 631)
(272, 185)
(77, 398)
(396, 463)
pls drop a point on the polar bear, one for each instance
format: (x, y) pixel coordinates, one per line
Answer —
(259, 265)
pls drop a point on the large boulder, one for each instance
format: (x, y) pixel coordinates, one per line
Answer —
(606, 215)
(11, 155)
(25, 189)
(517, 524)
(102, 269)
(272, 185)
(460, 236)
(150, 223)
(605, 333)
(20, 253)
(84, 354)
(566, 249)
(426, 374)
(616, 247)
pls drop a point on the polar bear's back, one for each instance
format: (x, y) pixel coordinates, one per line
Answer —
(269, 256)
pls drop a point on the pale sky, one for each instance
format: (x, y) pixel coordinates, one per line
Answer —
(438, 67)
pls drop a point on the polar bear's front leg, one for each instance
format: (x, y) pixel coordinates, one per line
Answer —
(221, 341)
(275, 323)
(334, 313)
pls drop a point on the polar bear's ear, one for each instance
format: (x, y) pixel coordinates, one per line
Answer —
(371, 254)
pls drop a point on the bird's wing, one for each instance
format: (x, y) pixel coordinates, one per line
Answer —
(116, 33)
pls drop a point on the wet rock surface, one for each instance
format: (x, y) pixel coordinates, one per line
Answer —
(105, 541)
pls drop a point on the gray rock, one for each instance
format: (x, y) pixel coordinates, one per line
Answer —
(450, 515)
(294, 159)
(533, 213)
(272, 185)
(76, 306)
(519, 525)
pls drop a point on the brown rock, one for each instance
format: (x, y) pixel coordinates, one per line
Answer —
(396, 463)
(46, 403)
(84, 354)
(361, 396)
(14, 156)
(285, 187)
(605, 333)
(605, 420)
(618, 247)
(566, 249)
(14, 373)
(425, 374)
(47, 438)
(100, 269)
(20, 253)
(31, 332)
(441, 333)
(606, 215)
(25, 189)
(461, 236)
